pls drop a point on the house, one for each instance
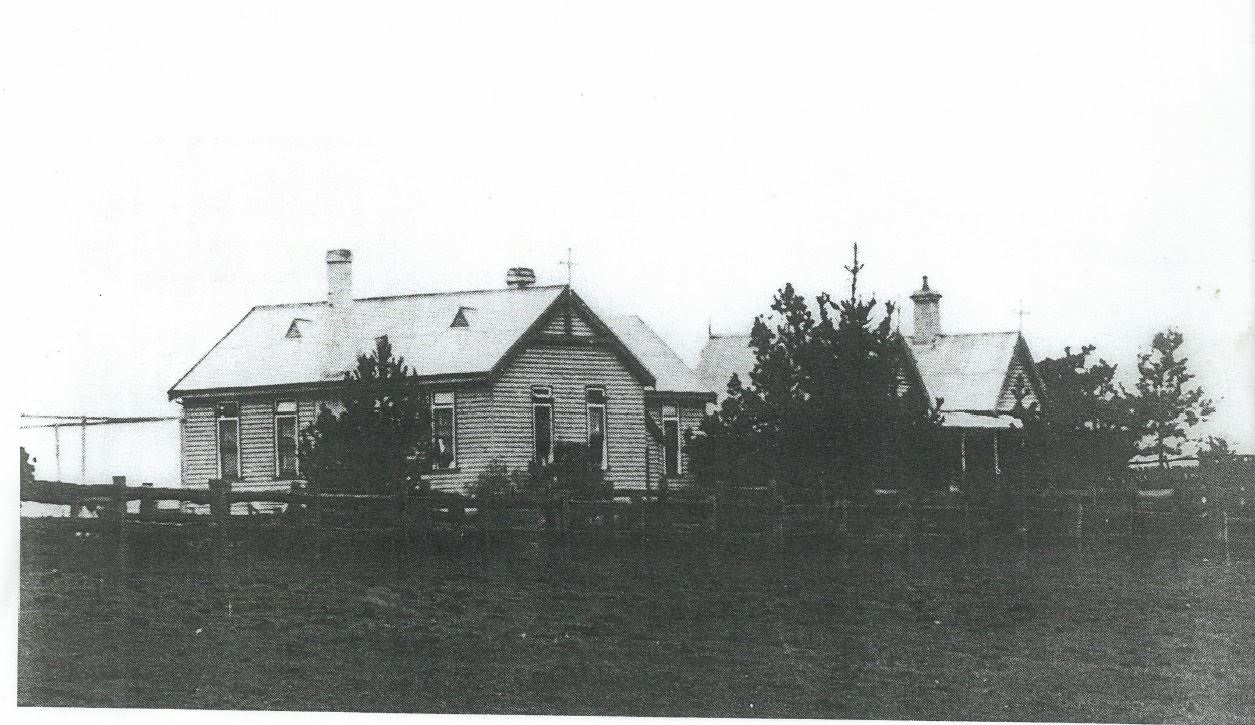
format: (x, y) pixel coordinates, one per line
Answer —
(507, 372)
(977, 376)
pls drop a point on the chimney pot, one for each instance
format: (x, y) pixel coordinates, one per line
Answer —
(339, 277)
(520, 277)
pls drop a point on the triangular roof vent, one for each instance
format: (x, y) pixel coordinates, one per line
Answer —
(294, 329)
(461, 319)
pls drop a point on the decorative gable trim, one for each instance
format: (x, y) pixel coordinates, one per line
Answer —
(567, 302)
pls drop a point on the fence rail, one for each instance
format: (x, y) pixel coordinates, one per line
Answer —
(404, 516)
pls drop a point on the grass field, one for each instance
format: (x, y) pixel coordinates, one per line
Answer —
(688, 629)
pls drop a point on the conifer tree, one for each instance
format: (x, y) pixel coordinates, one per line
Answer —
(380, 440)
(1088, 424)
(1164, 408)
(824, 411)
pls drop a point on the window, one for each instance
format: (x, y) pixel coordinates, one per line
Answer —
(671, 440)
(228, 419)
(443, 431)
(595, 405)
(286, 463)
(542, 424)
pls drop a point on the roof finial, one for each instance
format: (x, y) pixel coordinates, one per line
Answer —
(570, 267)
(710, 330)
(1021, 312)
(925, 282)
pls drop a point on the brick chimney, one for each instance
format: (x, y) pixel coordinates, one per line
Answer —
(339, 277)
(927, 314)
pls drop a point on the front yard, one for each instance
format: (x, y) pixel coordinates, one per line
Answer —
(815, 631)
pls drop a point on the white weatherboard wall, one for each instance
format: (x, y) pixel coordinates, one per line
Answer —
(569, 370)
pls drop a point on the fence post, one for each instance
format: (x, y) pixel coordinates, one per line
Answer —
(1225, 517)
(1080, 525)
(219, 510)
(399, 541)
(119, 506)
(967, 525)
(147, 506)
(714, 515)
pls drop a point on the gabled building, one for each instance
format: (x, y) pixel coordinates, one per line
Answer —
(507, 372)
(977, 376)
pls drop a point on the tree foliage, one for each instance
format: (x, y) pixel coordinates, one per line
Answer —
(823, 412)
(1087, 426)
(26, 466)
(380, 440)
(1165, 407)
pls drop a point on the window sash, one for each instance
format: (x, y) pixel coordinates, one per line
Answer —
(542, 434)
(597, 438)
(229, 459)
(444, 441)
(287, 459)
(672, 463)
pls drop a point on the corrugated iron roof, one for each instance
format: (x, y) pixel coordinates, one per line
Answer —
(723, 356)
(257, 352)
(670, 373)
(967, 370)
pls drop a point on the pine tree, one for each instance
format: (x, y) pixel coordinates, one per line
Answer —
(1088, 425)
(1164, 408)
(382, 437)
(823, 412)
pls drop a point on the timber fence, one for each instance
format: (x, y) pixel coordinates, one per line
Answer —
(1148, 520)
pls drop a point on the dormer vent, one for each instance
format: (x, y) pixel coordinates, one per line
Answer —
(294, 329)
(462, 318)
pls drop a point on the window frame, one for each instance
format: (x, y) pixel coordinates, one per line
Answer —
(542, 397)
(589, 407)
(452, 407)
(294, 414)
(219, 418)
(679, 440)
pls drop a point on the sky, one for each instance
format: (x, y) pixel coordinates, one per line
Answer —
(169, 169)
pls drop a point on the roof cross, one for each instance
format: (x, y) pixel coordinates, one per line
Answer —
(570, 264)
(1021, 312)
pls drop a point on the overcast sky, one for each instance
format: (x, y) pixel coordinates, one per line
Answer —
(169, 171)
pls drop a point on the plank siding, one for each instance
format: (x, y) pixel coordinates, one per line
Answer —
(493, 421)
(569, 370)
(473, 439)
(1006, 401)
(691, 415)
(199, 444)
(557, 324)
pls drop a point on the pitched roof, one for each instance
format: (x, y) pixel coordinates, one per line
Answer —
(722, 356)
(256, 352)
(670, 373)
(966, 371)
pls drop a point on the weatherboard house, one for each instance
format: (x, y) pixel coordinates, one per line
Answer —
(977, 376)
(507, 372)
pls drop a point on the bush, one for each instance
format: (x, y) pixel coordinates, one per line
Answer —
(497, 481)
(573, 472)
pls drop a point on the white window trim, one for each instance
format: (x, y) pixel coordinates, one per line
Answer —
(453, 426)
(679, 442)
(296, 437)
(543, 404)
(605, 424)
(239, 446)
